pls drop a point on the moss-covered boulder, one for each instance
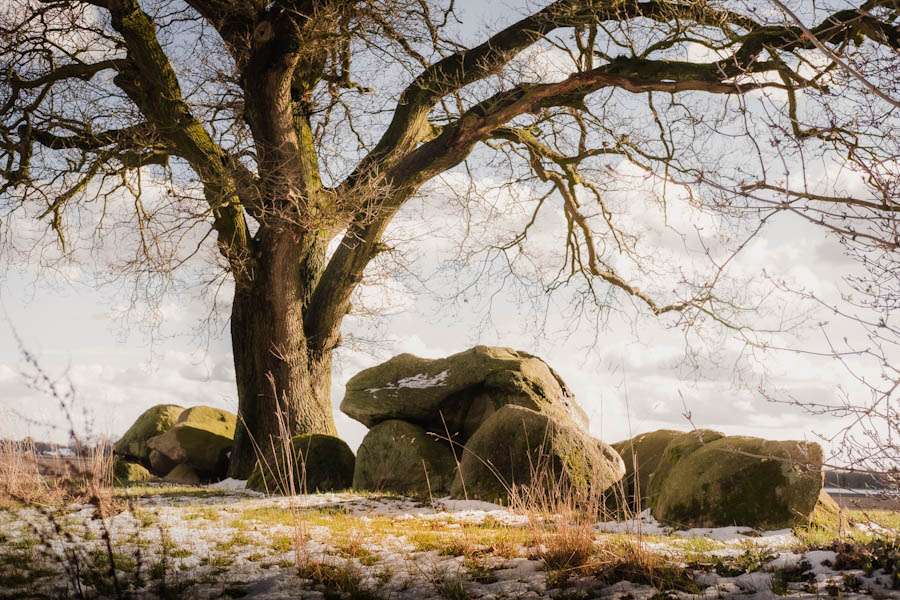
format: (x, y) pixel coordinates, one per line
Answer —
(125, 472)
(827, 520)
(401, 457)
(641, 455)
(679, 447)
(827, 517)
(318, 462)
(743, 481)
(152, 422)
(183, 474)
(461, 390)
(201, 438)
(520, 447)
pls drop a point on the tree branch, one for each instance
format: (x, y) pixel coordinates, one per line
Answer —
(150, 81)
(83, 71)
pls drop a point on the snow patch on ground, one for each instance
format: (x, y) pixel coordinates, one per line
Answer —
(240, 540)
(645, 523)
(229, 484)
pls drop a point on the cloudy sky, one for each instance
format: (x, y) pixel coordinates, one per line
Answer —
(630, 371)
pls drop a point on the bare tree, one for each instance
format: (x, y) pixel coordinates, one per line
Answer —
(281, 127)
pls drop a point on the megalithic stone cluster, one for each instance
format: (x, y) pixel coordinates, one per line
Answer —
(476, 424)
(179, 445)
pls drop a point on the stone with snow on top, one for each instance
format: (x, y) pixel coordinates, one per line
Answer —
(679, 447)
(521, 448)
(641, 455)
(458, 393)
(201, 437)
(314, 462)
(400, 457)
(739, 480)
(152, 422)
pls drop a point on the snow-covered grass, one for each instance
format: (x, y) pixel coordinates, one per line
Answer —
(224, 541)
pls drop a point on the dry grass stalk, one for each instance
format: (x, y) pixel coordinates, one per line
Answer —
(20, 478)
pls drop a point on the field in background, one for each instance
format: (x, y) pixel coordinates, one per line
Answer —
(863, 501)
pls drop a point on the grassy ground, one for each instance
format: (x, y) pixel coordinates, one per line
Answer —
(70, 533)
(169, 542)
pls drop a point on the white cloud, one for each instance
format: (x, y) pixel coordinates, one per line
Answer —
(542, 63)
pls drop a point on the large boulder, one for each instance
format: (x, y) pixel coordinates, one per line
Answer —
(827, 517)
(520, 447)
(679, 447)
(125, 472)
(152, 422)
(742, 481)
(315, 462)
(201, 438)
(160, 464)
(182, 474)
(641, 455)
(458, 393)
(401, 457)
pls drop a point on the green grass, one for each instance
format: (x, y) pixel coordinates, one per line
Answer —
(697, 544)
(236, 541)
(168, 491)
(265, 515)
(281, 544)
(827, 528)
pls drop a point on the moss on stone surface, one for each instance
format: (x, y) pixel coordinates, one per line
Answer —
(201, 437)
(400, 457)
(129, 472)
(517, 446)
(214, 420)
(827, 517)
(642, 455)
(320, 463)
(742, 481)
(183, 474)
(678, 448)
(461, 390)
(152, 422)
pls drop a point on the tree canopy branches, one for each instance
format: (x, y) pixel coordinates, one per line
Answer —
(285, 125)
(284, 52)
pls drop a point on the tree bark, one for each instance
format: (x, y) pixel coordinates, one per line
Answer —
(284, 383)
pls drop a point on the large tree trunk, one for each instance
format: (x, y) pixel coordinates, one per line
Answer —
(284, 384)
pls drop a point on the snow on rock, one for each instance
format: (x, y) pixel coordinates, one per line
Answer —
(422, 381)
(417, 382)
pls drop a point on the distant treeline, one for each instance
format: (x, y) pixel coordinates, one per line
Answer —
(52, 449)
(851, 480)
